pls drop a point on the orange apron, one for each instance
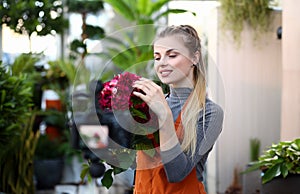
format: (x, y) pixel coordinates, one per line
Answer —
(151, 178)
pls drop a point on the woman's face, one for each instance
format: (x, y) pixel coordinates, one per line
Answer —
(172, 62)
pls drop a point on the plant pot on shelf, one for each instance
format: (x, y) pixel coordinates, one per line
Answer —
(280, 168)
(49, 162)
(251, 181)
(48, 172)
(280, 185)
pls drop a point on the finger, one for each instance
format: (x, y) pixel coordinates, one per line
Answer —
(147, 84)
(142, 87)
(142, 96)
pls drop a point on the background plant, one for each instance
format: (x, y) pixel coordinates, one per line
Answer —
(256, 14)
(254, 149)
(78, 47)
(280, 159)
(132, 50)
(42, 17)
(17, 139)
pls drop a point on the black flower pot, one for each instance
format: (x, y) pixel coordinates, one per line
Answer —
(279, 185)
(48, 172)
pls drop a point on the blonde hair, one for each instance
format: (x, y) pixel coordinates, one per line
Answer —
(196, 100)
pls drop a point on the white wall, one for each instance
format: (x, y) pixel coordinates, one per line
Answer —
(290, 126)
(252, 79)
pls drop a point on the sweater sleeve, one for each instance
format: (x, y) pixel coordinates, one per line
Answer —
(178, 164)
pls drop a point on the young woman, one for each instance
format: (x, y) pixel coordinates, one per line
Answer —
(189, 122)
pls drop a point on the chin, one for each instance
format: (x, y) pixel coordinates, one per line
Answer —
(165, 81)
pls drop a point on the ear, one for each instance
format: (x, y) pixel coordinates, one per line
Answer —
(196, 57)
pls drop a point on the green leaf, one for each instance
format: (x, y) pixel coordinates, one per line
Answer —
(118, 170)
(175, 11)
(3, 95)
(253, 166)
(143, 6)
(125, 160)
(107, 179)
(284, 170)
(122, 8)
(157, 6)
(94, 32)
(138, 113)
(296, 144)
(150, 152)
(84, 171)
(271, 173)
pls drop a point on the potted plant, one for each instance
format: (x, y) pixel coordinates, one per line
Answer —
(49, 161)
(251, 182)
(280, 166)
(256, 14)
(53, 146)
(17, 139)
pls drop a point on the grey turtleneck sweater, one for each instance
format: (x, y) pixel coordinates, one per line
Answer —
(178, 164)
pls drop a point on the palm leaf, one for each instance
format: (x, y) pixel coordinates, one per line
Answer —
(176, 11)
(122, 8)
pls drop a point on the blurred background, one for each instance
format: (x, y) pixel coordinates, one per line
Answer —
(52, 51)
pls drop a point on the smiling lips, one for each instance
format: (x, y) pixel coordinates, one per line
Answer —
(165, 73)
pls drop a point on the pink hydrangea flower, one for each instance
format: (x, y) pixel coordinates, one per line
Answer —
(117, 95)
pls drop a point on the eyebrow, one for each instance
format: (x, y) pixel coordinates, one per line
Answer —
(168, 51)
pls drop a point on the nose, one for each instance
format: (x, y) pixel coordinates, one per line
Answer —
(163, 61)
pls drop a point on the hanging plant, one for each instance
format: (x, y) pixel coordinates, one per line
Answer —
(255, 13)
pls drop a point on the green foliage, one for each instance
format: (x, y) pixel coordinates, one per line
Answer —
(142, 11)
(132, 50)
(107, 179)
(15, 103)
(80, 6)
(280, 159)
(78, 47)
(26, 17)
(49, 148)
(17, 167)
(26, 64)
(254, 149)
(17, 139)
(238, 13)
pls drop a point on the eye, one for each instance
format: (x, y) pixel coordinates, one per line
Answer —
(156, 58)
(172, 54)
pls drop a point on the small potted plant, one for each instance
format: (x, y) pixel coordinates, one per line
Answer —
(49, 155)
(280, 166)
(251, 182)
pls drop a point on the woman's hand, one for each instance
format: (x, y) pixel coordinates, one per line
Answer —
(154, 97)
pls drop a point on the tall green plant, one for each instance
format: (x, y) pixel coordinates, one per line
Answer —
(17, 139)
(254, 149)
(78, 47)
(132, 50)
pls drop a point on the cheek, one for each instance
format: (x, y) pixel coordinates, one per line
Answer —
(182, 65)
(156, 67)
